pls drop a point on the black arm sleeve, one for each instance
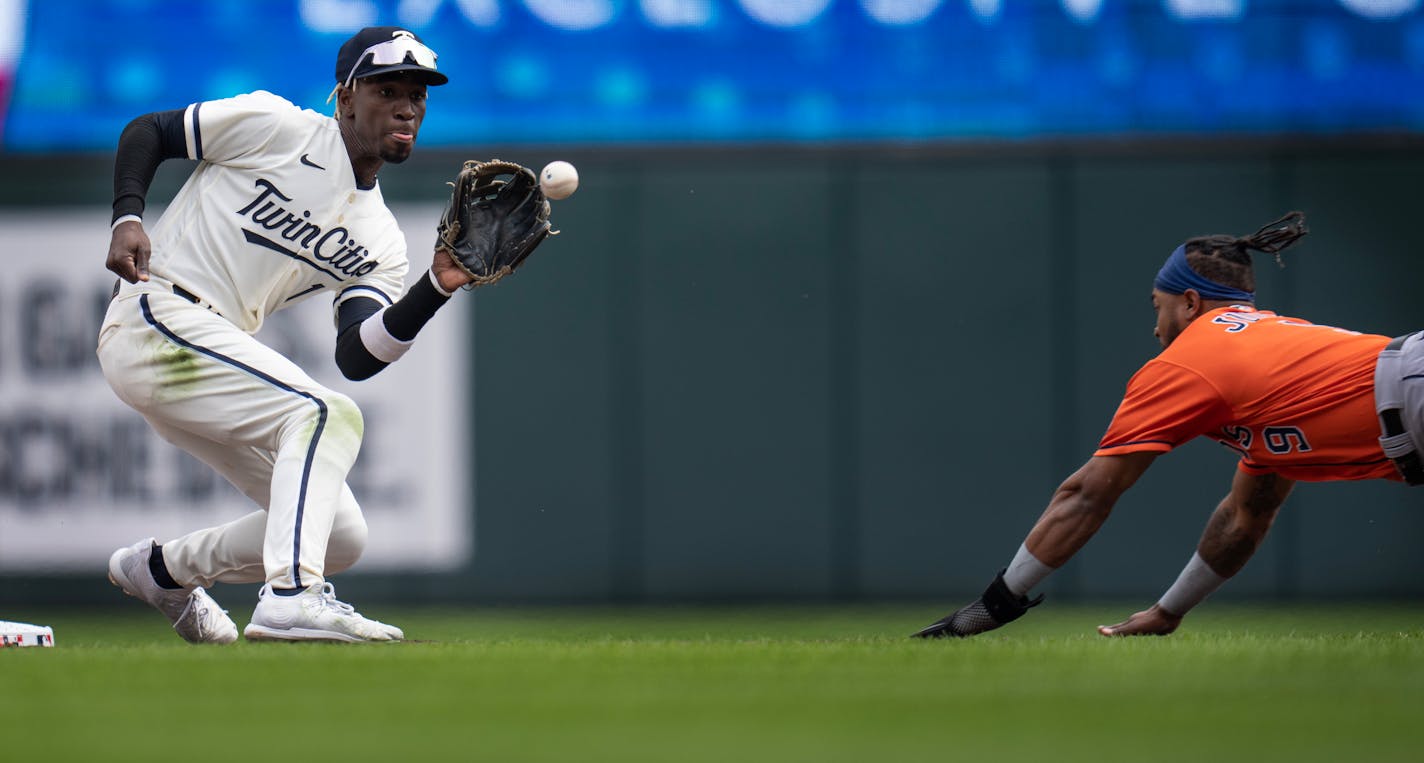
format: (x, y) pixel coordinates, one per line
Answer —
(143, 145)
(410, 313)
(352, 357)
(403, 320)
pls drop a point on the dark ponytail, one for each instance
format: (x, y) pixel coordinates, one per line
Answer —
(1227, 259)
(1274, 237)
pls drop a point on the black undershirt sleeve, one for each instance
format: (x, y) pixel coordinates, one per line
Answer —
(352, 357)
(403, 320)
(143, 145)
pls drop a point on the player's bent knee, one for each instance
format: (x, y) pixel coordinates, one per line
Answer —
(326, 412)
(343, 413)
(335, 420)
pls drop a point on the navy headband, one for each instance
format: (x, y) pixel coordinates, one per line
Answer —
(1176, 276)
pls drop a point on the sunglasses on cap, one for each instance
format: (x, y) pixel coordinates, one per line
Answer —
(394, 51)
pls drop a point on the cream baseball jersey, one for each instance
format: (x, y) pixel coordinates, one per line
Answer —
(272, 214)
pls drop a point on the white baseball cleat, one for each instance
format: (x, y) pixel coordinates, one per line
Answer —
(313, 615)
(194, 614)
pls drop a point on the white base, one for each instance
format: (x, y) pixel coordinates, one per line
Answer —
(24, 634)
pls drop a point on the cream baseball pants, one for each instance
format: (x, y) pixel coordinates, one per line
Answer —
(251, 414)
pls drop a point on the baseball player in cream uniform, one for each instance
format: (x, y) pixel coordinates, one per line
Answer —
(283, 206)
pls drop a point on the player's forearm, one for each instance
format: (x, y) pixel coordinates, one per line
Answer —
(1223, 551)
(366, 346)
(1081, 505)
(1231, 538)
(1232, 535)
(143, 145)
(1069, 522)
(410, 313)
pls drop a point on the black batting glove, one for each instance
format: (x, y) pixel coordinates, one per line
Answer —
(995, 607)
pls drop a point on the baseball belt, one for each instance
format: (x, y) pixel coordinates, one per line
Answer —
(190, 296)
(178, 290)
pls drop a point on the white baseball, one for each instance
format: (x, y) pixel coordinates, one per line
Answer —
(559, 180)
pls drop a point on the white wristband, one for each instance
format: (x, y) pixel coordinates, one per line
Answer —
(378, 339)
(436, 283)
(124, 219)
(1197, 581)
(1025, 572)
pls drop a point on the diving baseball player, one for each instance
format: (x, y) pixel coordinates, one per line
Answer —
(1298, 401)
(284, 205)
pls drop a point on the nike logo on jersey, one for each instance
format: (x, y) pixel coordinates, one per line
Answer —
(310, 163)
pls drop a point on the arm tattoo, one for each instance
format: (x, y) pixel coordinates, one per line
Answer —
(1229, 542)
(1225, 548)
(1266, 499)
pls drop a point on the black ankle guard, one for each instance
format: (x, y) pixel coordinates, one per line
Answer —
(1002, 604)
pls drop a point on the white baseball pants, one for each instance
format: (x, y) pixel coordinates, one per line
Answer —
(250, 413)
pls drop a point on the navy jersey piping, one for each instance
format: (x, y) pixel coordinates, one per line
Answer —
(197, 134)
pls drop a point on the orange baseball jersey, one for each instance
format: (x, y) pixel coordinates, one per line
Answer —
(1291, 397)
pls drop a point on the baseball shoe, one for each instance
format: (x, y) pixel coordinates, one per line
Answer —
(194, 614)
(313, 615)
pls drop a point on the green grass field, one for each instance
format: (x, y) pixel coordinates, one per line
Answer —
(731, 684)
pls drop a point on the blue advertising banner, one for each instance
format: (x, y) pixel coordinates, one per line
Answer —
(72, 73)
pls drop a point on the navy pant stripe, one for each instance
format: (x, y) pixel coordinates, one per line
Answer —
(279, 384)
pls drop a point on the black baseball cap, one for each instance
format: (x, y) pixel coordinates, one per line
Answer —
(384, 49)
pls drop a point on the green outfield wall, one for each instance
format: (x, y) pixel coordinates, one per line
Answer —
(814, 373)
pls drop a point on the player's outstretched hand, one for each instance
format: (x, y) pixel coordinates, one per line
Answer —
(128, 252)
(995, 607)
(450, 275)
(1152, 622)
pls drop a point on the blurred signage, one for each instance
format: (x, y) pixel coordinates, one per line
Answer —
(698, 71)
(578, 15)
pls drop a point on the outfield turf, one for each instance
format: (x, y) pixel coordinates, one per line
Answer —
(731, 685)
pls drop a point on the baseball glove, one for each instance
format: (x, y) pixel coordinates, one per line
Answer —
(496, 216)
